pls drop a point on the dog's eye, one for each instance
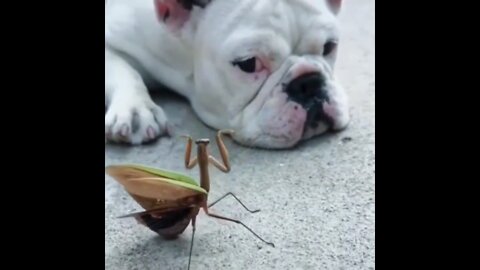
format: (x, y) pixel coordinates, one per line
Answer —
(249, 65)
(329, 47)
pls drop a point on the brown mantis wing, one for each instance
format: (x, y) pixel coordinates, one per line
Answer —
(169, 204)
(169, 223)
(153, 192)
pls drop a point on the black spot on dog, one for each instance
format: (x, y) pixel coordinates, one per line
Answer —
(135, 121)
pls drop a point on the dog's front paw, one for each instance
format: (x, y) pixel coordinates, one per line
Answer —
(135, 122)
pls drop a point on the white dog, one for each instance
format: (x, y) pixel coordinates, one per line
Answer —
(263, 68)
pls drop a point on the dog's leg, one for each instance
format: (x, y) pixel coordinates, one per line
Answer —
(132, 116)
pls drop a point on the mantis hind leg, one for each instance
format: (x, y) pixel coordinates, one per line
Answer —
(241, 223)
(237, 199)
(191, 243)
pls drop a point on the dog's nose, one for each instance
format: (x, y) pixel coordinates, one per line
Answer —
(307, 89)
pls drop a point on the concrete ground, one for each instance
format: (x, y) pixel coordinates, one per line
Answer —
(317, 201)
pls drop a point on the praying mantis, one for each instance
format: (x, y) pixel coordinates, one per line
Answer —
(173, 200)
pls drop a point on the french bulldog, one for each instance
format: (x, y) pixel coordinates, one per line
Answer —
(263, 68)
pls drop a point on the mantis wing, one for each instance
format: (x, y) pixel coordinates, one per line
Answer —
(147, 184)
(167, 222)
(163, 173)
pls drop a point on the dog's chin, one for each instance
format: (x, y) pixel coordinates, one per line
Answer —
(293, 131)
(310, 132)
(284, 124)
(278, 125)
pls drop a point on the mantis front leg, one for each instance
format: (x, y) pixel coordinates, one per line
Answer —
(225, 167)
(189, 163)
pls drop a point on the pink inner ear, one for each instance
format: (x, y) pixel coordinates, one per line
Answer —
(171, 13)
(161, 9)
(335, 5)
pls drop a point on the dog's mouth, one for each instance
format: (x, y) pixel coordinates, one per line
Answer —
(317, 121)
(316, 114)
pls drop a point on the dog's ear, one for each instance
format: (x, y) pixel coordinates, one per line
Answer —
(175, 13)
(334, 5)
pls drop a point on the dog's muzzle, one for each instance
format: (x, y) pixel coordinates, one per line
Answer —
(308, 90)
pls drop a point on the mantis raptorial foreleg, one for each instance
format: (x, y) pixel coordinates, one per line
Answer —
(189, 162)
(225, 167)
